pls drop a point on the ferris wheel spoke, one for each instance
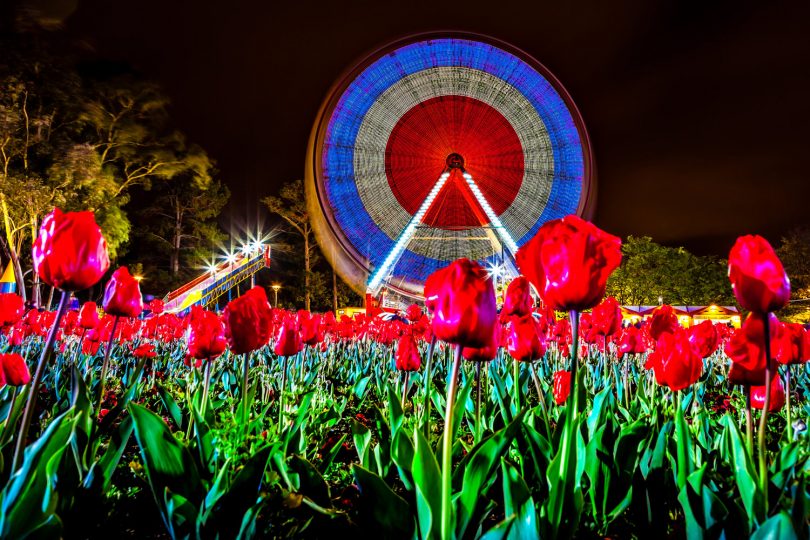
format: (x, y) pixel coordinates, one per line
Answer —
(381, 273)
(493, 218)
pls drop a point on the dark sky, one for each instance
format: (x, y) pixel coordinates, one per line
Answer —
(697, 111)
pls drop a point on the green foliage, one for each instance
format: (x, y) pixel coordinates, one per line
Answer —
(649, 271)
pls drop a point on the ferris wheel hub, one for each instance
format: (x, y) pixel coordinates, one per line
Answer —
(455, 161)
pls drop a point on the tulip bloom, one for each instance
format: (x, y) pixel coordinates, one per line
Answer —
(523, 342)
(487, 352)
(11, 309)
(746, 348)
(789, 346)
(465, 310)
(562, 386)
(607, 317)
(70, 252)
(206, 338)
(14, 370)
(676, 363)
(631, 341)
(518, 299)
(569, 261)
(413, 313)
(88, 315)
(122, 297)
(310, 328)
(704, 337)
(247, 321)
(757, 276)
(663, 321)
(147, 350)
(288, 341)
(778, 396)
(408, 358)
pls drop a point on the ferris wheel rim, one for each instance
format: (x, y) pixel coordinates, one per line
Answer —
(339, 249)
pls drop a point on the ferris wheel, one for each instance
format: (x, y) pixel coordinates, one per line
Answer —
(441, 146)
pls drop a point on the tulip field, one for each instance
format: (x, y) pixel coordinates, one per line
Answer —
(463, 418)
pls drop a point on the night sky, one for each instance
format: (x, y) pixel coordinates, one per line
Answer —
(698, 111)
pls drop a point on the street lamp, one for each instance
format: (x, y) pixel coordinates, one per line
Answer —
(275, 287)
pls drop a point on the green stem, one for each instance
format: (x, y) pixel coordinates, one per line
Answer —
(574, 316)
(749, 423)
(682, 441)
(516, 385)
(404, 389)
(787, 404)
(447, 449)
(206, 385)
(245, 383)
(428, 380)
(763, 421)
(44, 358)
(281, 393)
(105, 365)
(478, 430)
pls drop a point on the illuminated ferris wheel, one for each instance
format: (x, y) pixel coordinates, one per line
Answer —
(437, 147)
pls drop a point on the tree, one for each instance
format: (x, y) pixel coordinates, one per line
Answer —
(179, 228)
(650, 270)
(794, 252)
(291, 206)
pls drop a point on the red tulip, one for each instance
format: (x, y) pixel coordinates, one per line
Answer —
(310, 328)
(789, 346)
(663, 321)
(88, 315)
(487, 352)
(157, 306)
(70, 252)
(408, 358)
(704, 337)
(607, 317)
(746, 348)
(147, 350)
(676, 363)
(413, 313)
(631, 341)
(562, 386)
(569, 261)
(757, 277)
(247, 321)
(518, 299)
(464, 303)
(11, 309)
(288, 341)
(206, 338)
(122, 297)
(523, 342)
(14, 370)
(778, 397)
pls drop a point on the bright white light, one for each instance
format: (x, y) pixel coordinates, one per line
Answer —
(231, 258)
(246, 249)
(506, 238)
(212, 268)
(405, 236)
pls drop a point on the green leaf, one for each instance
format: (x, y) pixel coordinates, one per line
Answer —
(169, 466)
(402, 453)
(744, 473)
(384, 508)
(427, 480)
(517, 502)
(779, 526)
(171, 406)
(29, 499)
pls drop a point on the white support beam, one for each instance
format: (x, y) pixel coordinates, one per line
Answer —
(382, 271)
